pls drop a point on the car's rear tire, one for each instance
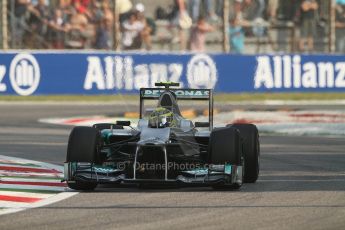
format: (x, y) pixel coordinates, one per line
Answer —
(225, 147)
(251, 151)
(83, 146)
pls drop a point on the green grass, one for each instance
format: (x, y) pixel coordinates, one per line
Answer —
(218, 97)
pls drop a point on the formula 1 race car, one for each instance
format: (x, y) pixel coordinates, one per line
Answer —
(164, 148)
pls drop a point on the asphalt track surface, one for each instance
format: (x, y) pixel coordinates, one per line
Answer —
(301, 184)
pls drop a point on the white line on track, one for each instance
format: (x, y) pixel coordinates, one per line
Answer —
(32, 143)
(34, 192)
(33, 187)
(57, 180)
(32, 174)
(26, 194)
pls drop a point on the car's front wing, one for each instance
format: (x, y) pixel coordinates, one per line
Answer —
(215, 174)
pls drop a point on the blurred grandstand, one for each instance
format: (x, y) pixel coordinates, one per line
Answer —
(238, 26)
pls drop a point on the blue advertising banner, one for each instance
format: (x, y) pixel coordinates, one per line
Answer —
(44, 73)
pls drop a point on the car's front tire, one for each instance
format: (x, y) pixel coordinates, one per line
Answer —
(83, 146)
(251, 148)
(225, 147)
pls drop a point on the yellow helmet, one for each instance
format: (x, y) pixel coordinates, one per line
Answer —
(161, 118)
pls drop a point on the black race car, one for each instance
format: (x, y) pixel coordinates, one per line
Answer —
(164, 148)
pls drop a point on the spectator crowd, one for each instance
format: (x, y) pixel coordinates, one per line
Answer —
(75, 24)
(83, 24)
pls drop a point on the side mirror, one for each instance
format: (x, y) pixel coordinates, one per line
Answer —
(202, 124)
(123, 123)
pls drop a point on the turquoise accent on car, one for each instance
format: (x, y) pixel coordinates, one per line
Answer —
(227, 169)
(104, 169)
(106, 135)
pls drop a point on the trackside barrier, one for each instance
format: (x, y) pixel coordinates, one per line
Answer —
(44, 73)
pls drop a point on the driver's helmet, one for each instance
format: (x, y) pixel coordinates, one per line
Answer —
(161, 118)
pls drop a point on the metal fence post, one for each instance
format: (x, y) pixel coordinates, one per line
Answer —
(331, 31)
(4, 27)
(226, 44)
(116, 28)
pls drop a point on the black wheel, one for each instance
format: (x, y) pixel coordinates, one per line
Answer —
(83, 145)
(225, 147)
(81, 185)
(101, 126)
(251, 148)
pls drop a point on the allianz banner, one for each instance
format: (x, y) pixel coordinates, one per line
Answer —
(43, 73)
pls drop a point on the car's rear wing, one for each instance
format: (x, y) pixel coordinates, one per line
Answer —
(181, 94)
